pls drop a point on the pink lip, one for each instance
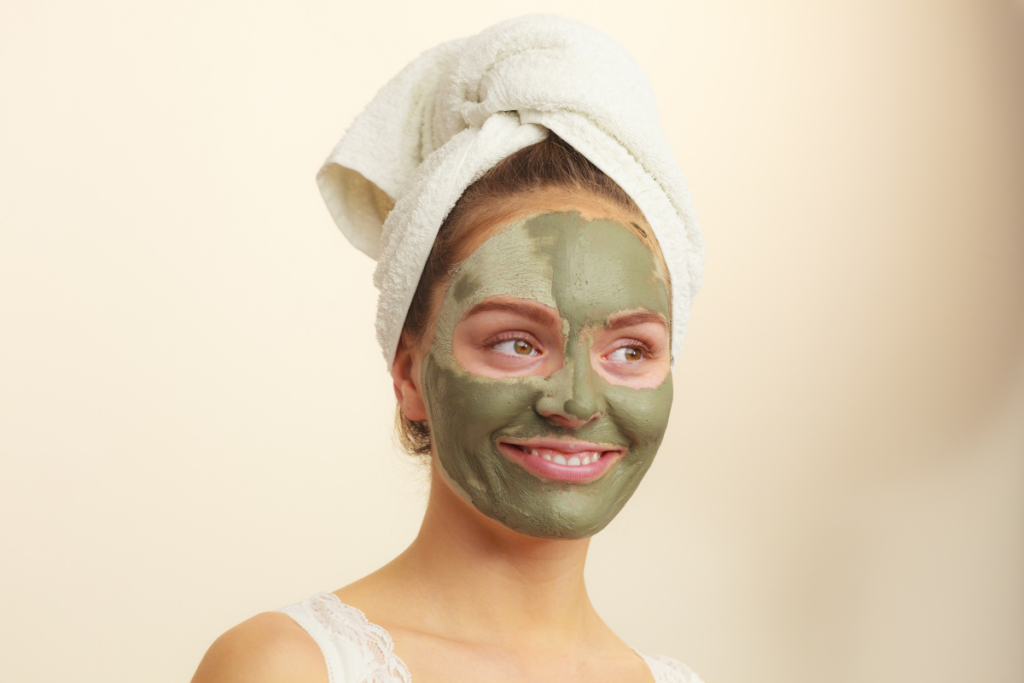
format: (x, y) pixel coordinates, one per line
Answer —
(546, 469)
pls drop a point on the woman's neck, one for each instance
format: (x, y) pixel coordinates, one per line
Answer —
(467, 575)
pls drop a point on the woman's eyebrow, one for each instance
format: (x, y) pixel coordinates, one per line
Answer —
(531, 312)
(635, 318)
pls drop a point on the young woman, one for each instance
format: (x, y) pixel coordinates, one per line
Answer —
(532, 368)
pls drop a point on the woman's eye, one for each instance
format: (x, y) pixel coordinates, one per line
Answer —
(516, 347)
(627, 354)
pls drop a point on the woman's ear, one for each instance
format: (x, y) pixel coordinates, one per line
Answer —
(405, 375)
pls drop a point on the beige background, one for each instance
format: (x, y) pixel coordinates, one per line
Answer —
(195, 420)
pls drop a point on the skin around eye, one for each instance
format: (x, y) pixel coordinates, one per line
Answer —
(636, 357)
(509, 338)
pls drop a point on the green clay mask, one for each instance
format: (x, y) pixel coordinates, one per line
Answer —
(585, 273)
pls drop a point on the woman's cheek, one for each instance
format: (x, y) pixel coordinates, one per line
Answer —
(641, 414)
(466, 409)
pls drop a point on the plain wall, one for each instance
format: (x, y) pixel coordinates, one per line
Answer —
(195, 421)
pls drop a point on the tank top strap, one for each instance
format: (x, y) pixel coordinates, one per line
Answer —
(355, 649)
(668, 670)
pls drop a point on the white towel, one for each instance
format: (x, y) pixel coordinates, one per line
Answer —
(462, 107)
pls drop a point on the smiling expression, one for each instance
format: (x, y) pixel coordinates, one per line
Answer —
(547, 382)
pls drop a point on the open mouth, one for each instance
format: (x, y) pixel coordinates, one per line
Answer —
(574, 461)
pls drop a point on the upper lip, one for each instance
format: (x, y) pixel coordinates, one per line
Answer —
(563, 445)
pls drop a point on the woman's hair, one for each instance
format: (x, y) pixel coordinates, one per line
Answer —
(551, 163)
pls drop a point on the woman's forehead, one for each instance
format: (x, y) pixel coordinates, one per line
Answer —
(588, 269)
(497, 215)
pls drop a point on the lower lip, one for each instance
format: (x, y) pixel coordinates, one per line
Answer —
(545, 469)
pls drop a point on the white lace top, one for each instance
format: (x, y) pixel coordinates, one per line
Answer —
(359, 651)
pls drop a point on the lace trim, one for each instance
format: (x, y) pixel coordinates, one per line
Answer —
(349, 623)
(668, 670)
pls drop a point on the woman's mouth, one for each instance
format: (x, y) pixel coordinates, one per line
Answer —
(562, 460)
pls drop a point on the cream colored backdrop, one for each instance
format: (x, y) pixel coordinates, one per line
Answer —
(195, 420)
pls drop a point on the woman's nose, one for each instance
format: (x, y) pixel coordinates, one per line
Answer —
(572, 398)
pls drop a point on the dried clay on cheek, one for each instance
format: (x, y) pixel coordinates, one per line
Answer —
(588, 270)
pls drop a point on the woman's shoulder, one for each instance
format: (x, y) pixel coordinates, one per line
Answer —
(668, 670)
(268, 648)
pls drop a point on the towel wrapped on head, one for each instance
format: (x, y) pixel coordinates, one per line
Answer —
(460, 108)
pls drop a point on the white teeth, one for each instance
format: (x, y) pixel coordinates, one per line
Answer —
(572, 461)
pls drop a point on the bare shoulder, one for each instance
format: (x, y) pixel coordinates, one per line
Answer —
(269, 648)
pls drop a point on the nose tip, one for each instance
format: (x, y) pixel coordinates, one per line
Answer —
(573, 414)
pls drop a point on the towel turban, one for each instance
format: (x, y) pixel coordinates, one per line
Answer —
(462, 107)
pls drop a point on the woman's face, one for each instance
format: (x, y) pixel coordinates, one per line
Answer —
(547, 382)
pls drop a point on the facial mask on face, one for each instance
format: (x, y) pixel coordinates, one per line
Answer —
(588, 271)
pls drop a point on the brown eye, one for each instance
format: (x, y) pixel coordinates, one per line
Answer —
(629, 354)
(516, 347)
(523, 348)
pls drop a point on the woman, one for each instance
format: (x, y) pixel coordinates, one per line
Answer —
(530, 308)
